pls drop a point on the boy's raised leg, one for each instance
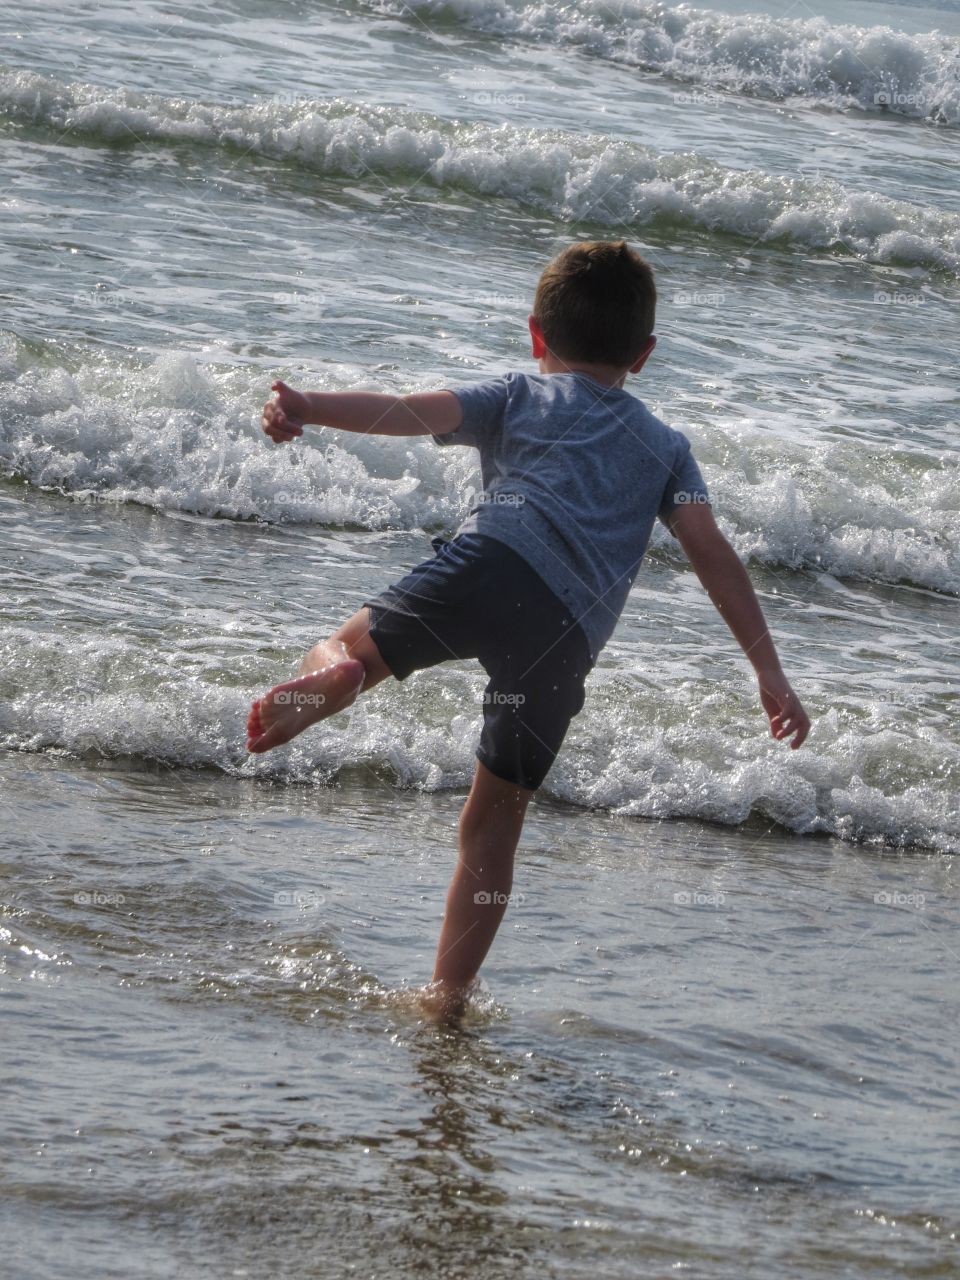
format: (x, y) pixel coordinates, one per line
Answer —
(489, 832)
(332, 673)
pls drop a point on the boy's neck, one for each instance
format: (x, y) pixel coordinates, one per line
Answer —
(605, 373)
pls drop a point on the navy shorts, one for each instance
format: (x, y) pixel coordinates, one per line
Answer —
(478, 598)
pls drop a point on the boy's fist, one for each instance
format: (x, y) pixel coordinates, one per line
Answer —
(787, 716)
(283, 418)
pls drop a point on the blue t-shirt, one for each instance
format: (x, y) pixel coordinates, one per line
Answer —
(574, 475)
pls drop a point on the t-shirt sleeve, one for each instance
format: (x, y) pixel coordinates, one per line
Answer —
(483, 405)
(685, 484)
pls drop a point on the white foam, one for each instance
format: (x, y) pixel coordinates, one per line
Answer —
(825, 506)
(840, 66)
(570, 176)
(180, 436)
(176, 436)
(670, 750)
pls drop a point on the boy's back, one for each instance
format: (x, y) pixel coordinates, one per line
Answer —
(574, 475)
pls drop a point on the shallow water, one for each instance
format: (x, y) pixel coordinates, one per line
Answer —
(718, 1031)
(705, 1048)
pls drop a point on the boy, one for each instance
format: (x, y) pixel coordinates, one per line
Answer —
(575, 471)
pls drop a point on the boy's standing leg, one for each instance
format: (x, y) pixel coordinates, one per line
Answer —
(489, 831)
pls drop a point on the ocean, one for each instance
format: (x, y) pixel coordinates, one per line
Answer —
(714, 1035)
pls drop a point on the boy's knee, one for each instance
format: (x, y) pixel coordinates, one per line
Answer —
(490, 830)
(314, 658)
(488, 861)
(350, 643)
(475, 822)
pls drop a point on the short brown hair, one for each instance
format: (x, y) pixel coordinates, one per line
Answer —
(596, 302)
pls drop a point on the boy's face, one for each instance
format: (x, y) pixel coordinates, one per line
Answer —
(549, 363)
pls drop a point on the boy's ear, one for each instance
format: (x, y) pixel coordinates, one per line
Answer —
(536, 336)
(645, 354)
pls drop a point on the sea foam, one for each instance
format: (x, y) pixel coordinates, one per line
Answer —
(176, 435)
(840, 66)
(663, 750)
(580, 178)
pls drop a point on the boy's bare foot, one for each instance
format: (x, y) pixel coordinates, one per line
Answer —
(290, 708)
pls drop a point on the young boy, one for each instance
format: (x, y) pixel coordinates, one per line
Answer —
(575, 472)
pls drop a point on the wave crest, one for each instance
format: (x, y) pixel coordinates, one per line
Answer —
(871, 68)
(578, 178)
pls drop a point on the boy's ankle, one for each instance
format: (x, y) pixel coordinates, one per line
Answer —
(445, 1001)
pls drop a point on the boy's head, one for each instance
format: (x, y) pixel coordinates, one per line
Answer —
(595, 304)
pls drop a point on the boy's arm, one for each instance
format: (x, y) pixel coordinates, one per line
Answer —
(718, 567)
(423, 413)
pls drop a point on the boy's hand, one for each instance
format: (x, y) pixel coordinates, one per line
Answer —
(283, 418)
(787, 716)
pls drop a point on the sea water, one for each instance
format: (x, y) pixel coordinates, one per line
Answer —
(715, 1036)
